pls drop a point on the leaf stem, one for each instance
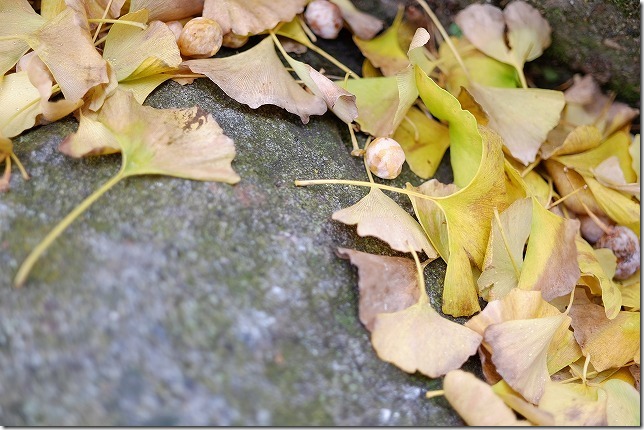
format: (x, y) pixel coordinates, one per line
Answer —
(23, 172)
(34, 255)
(435, 393)
(100, 24)
(561, 199)
(118, 21)
(356, 152)
(517, 272)
(424, 298)
(446, 37)
(332, 59)
(306, 183)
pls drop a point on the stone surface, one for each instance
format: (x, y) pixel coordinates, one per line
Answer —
(181, 302)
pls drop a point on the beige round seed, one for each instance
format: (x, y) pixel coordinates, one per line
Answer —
(200, 38)
(385, 158)
(324, 18)
(234, 41)
(626, 247)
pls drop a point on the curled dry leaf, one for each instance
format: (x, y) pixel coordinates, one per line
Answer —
(168, 10)
(387, 284)
(475, 401)
(361, 24)
(520, 349)
(379, 216)
(523, 117)
(246, 17)
(596, 277)
(609, 343)
(561, 142)
(567, 181)
(257, 77)
(610, 174)
(385, 51)
(574, 404)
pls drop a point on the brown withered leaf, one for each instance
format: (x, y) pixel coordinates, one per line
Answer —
(257, 77)
(246, 17)
(609, 343)
(387, 284)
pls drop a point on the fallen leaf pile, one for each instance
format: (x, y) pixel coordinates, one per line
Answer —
(540, 229)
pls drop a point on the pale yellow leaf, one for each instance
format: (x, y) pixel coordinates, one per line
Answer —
(246, 17)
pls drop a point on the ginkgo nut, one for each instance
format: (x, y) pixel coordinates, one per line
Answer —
(324, 18)
(385, 157)
(625, 245)
(234, 41)
(200, 38)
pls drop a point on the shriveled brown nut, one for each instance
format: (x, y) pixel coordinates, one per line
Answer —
(626, 247)
(232, 40)
(200, 38)
(324, 18)
(175, 27)
(385, 158)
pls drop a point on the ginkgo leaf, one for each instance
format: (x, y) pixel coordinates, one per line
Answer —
(481, 69)
(525, 305)
(622, 404)
(257, 77)
(594, 274)
(528, 33)
(465, 140)
(621, 209)
(617, 145)
(185, 143)
(424, 141)
(387, 284)
(574, 404)
(19, 100)
(523, 117)
(609, 343)
(136, 53)
(67, 50)
(475, 401)
(18, 20)
(379, 216)
(581, 138)
(361, 24)
(568, 181)
(380, 106)
(468, 214)
(168, 10)
(385, 51)
(630, 290)
(634, 150)
(609, 173)
(246, 17)
(519, 352)
(551, 256)
(530, 184)
(91, 138)
(504, 254)
(419, 339)
(341, 102)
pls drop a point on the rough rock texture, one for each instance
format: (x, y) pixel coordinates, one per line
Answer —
(600, 37)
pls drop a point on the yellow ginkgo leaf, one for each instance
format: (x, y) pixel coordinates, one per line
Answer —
(504, 254)
(465, 140)
(620, 208)
(630, 289)
(387, 284)
(384, 51)
(257, 77)
(475, 401)
(520, 405)
(379, 216)
(419, 339)
(135, 53)
(20, 104)
(524, 305)
(520, 349)
(562, 142)
(634, 150)
(595, 276)
(468, 214)
(424, 141)
(575, 404)
(622, 404)
(609, 173)
(361, 24)
(609, 343)
(551, 256)
(523, 117)
(246, 17)
(91, 138)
